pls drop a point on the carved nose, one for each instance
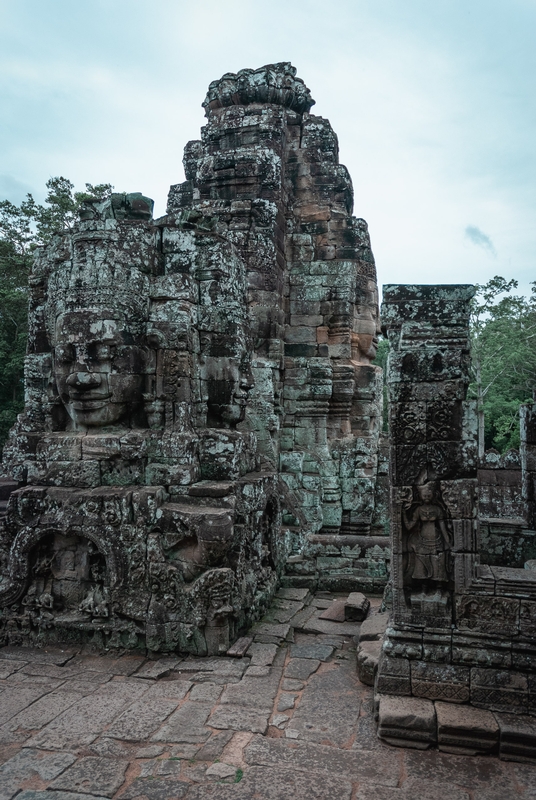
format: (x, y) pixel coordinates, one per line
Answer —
(87, 380)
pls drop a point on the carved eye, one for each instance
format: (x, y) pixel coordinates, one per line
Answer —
(64, 353)
(101, 352)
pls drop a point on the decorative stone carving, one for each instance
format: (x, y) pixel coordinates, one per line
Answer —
(192, 382)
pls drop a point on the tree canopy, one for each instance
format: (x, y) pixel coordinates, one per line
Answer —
(503, 332)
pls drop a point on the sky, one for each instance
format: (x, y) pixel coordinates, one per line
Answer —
(434, 104)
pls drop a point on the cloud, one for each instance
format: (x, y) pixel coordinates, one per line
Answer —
(478, 237)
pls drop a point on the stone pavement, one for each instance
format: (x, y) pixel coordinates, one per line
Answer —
(290, 719)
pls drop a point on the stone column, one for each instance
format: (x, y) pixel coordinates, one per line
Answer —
(528, 460)
(433, 453)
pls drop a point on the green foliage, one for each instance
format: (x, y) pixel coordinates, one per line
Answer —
(22, 229)
(503, 329)
(239, 775)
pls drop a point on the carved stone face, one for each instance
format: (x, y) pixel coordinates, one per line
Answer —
(228, 384)
(366, 330)
(98, 368)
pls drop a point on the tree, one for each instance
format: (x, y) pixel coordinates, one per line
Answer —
(503, 332)
(22, 229)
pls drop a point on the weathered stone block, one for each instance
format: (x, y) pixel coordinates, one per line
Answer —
(407, 722)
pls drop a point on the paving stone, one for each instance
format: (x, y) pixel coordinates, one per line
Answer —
(166, 689)
(51, 671)
(257, 672)
(277, 784)
(300, 619)
(407, 721)
(31, 794)
(314, 650)
(220, 771)
(41, 655)
(206, 692)
(168, 766)
(291, 733)
(366, 737)
(329, 708)
(321, 602)
(256, 692)
(240, 647)
(112, 748)
(7, 668)
(517, 737)
(158, 669)
(346, 629)
(334, 612)
(356, 607)
(276, 633)
(43, 711)
(28, 763)
(279, 720)
(433, 768)
(228, 670)
(289, 593)
(141, 719)
(306, 757)
(239, 718)
(18, 698)
(262, 655)
(368, 655)
(85, 720)
(82, 686)
(93, 775)
(187, 724)
(215, 745)
(374, 627)
(465, 729)
(153, 789)
(149, 751)
(282, 610)
(124, 665)
(286, 701)
(185, 750)
(291, 685)
(410, 791)
(301, 668)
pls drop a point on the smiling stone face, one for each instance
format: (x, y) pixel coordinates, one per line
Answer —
(98, 367)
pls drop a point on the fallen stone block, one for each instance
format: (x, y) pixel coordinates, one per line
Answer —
(407, 722)
(356, 607)
(517, 737)
(373, 627)
(368, 654)
(335, 612)
(465, 730)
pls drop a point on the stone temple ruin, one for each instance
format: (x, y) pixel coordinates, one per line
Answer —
(203, 422)
(201, 408)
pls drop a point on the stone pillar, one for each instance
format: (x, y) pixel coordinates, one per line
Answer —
(433, 453)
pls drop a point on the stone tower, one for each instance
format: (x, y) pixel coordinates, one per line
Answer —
(200, 396)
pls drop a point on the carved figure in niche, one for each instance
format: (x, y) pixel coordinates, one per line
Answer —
(67, 576)
(429, 539)
(98, 367)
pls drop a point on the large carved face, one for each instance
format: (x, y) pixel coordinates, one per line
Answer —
(366, 328)
(229, 383)
(98, 368)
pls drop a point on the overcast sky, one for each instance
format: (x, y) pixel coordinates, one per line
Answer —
(433, 101)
